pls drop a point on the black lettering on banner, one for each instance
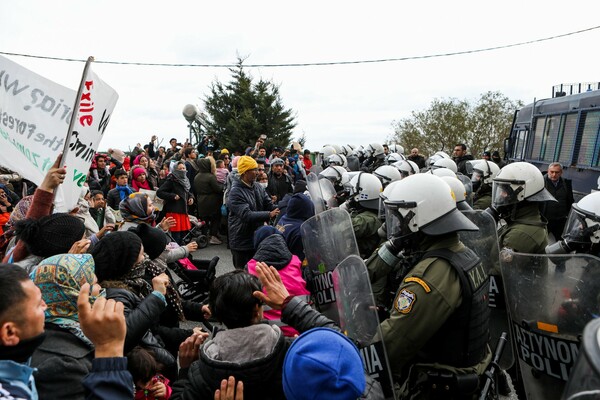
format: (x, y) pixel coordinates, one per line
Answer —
(551, 355)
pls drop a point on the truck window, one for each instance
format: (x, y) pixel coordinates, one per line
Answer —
(589, 137)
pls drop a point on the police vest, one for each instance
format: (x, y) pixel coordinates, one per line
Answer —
(462, 340)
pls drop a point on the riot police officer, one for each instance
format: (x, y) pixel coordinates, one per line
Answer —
(516, 191)
(437, 332)
(375, 157)
(582, 229)
(363, 206)
(484, 173)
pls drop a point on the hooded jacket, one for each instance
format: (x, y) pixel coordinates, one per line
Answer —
(273, 251)
(299, 209)
(209, 192)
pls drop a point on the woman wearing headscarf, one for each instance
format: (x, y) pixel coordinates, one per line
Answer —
(176, 192)
(138, 209)
(119, 270)
(65, 357)
(155, 263)
(209, 195)
(140, 179)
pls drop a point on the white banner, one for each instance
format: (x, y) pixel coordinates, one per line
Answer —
(34, 120)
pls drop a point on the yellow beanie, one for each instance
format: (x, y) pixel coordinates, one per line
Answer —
(246, 163)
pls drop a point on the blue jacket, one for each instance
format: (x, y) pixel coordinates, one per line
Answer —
(16, 381)
(299, 209)
(109, 379)
(249, 208)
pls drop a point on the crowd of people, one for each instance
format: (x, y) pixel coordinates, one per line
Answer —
(90, 306)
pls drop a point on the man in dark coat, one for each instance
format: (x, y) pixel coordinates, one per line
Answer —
(556, 212)
(280, 183)
(249, 207)
(461, 157)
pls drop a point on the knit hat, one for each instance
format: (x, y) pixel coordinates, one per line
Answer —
(276, 161)
(323, 362)
(224, 151)
(138, 170)
(50, 235)
(300, 186)
(154, 239)
(262, 233)
(117, 154)
(246, 163)
(116, 254)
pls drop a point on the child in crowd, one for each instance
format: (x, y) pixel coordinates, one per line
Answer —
(222, 171)
(149, 383)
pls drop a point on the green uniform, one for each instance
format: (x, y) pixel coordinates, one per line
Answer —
(428, 295)
(366, 224)
(482, 199)
(526, 233)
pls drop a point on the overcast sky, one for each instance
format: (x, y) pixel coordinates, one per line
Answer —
(340, 104)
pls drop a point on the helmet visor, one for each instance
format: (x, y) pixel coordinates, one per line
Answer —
(477, 176)
(505, 193)
(400, 217)
(580, 228)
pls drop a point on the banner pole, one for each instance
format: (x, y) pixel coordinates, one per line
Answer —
(75, 113)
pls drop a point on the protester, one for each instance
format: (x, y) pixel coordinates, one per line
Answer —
(249, 207)
(271, 249)
(209, 197)
(176, 192)
(140, 180)
(65, 357)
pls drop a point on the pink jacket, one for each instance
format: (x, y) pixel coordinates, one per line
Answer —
(291, 276)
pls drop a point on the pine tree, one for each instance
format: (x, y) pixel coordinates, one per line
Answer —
(240, 111)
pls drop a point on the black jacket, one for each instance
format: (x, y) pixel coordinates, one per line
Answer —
(141, 316)
(563, 193)
(249, 208)
(279, 185)
(167, 192)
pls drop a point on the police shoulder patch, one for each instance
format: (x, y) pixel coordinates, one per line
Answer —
(404, 301)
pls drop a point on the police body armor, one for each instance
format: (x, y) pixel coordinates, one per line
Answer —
(550, 300)
(462, 340)
(485, 244)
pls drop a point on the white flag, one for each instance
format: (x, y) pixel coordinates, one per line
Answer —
(34, 120)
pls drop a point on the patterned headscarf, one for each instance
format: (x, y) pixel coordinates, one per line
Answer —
(60, 278)
(135, 208)
(20, 210)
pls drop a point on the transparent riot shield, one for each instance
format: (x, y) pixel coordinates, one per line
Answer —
(329, 193)
(485, 244)
(322, 193)
(314, 188)
(359, 320)
(466, 181)
(550, 299)
(328, 239)
(584, 381)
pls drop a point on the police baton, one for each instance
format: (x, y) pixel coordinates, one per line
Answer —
(493, 368)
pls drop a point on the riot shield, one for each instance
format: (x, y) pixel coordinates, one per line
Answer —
(584, 381)
(314, 189)
(359, 320)
(466, 181)
(328, 238)
(485, 244)
(550, 299)
(322, 192)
